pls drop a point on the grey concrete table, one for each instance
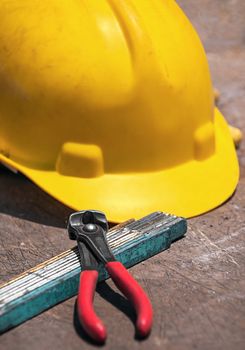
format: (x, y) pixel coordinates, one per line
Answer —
(198, 287)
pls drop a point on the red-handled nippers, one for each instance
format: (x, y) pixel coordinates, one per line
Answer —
(89, 228)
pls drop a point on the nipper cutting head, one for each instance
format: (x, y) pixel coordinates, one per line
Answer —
(89, 228)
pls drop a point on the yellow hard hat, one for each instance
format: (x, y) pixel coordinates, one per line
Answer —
(109, 105)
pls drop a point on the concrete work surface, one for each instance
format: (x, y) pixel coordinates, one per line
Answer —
(197, 288)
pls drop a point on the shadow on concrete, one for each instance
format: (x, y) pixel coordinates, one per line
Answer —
(21, 198)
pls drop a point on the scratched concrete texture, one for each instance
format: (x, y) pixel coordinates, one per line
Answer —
(197, 288)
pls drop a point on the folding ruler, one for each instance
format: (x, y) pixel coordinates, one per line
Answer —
(57, 279)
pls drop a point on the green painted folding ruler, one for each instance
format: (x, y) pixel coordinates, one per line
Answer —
(57, 279)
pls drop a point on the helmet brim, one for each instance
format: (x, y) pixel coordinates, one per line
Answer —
(186, 190)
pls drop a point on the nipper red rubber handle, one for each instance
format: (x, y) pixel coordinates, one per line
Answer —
(135, 294)
(91, 323)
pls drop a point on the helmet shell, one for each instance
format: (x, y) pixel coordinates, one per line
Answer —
(96, 95)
